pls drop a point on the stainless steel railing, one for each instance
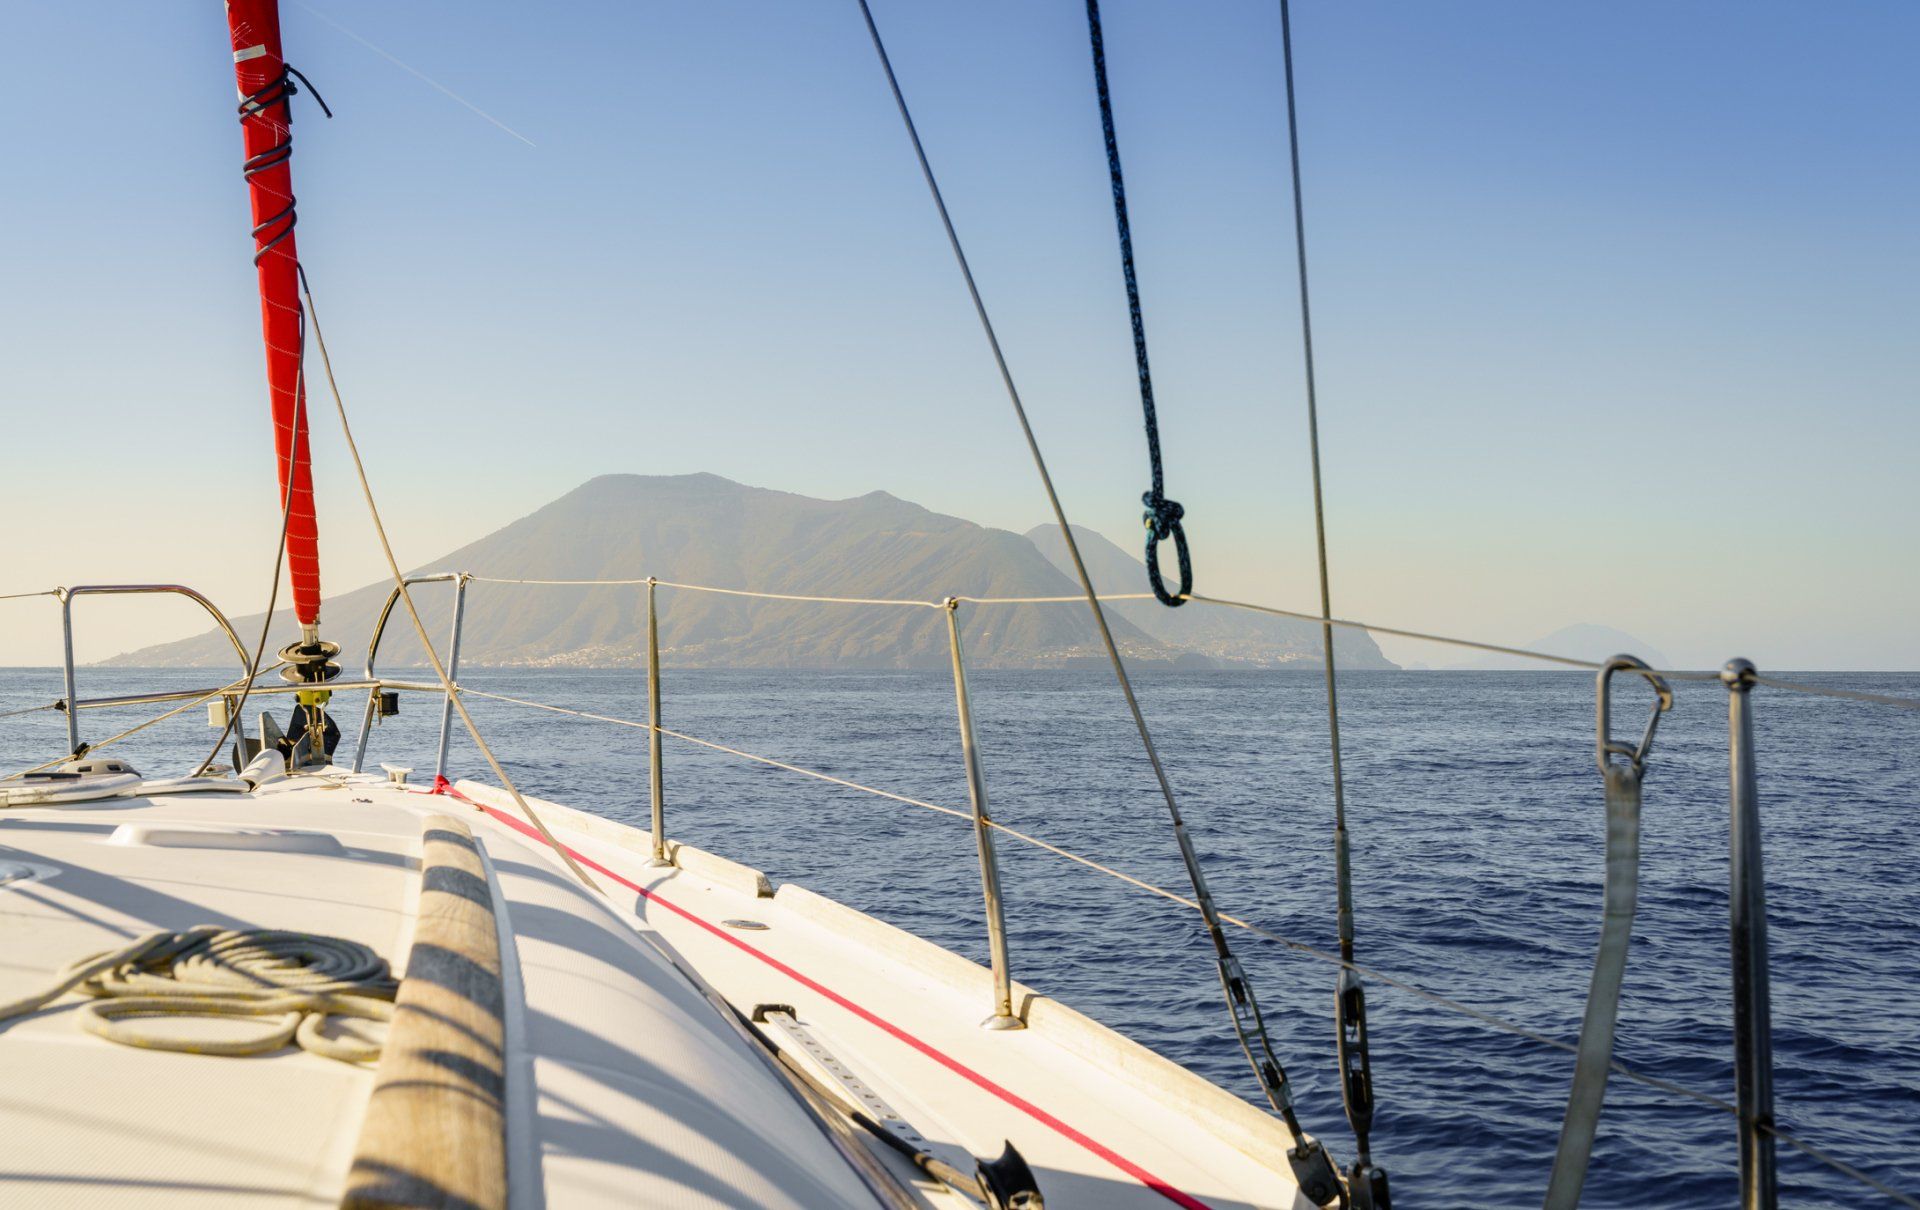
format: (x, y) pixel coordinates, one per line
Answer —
(1752, 1022)
(1752, 989)
(459, 579)
(1002, 1017)
(71, 705)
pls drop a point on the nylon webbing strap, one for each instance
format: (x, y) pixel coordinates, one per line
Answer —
(1622, 767)
(1603, 997)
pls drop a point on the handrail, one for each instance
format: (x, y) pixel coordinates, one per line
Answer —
(72, 705)
(386, 611)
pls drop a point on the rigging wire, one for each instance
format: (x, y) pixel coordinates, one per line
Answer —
(1344, 876)
(400, 581)
(1350, 1014)
(1852, 695)
(1312, 1167)
(1163, 516)
(705, 743)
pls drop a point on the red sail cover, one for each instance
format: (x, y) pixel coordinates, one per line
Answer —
(260, 72)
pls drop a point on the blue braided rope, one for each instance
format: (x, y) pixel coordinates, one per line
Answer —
(1163, 516)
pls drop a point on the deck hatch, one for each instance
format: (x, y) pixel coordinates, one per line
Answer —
(265, 840)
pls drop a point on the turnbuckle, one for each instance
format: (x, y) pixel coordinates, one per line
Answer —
(1604, 743)
(1356, 1069)
(1313, 1169)
(1366, 1182)
(1253, 1033)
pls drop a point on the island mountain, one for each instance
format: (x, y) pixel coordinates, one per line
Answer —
(703, 529)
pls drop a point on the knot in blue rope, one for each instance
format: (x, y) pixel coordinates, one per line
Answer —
(1162, 520)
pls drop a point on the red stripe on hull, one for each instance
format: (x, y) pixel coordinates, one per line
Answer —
(1177, 1196)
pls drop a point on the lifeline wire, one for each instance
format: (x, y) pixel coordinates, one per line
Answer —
(1163, 515)
(706, 743)
(1672, 674)
(1249, 1028)
(1492, 1020)
(1839, 1165)
(21, 596)
(208, 696)
(730, 592)
(419, 628)
(1852, 695)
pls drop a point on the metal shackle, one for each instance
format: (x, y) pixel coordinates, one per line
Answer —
(1604, 743)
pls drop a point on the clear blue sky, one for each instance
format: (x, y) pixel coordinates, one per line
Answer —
(1616, 304)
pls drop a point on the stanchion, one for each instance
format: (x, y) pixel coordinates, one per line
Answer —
(1752, 993)
(1003, 1016)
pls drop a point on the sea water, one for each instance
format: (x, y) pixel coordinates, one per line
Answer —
(1478, 831)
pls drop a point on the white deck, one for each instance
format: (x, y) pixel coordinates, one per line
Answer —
(626, 1083)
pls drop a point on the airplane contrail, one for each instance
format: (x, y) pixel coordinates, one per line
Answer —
(415, 72)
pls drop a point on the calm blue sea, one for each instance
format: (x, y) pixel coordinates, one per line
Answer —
(1477, 825)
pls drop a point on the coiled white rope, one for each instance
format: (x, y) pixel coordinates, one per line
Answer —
(293, 981)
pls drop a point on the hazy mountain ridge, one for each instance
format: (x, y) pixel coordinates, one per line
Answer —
(703, 529)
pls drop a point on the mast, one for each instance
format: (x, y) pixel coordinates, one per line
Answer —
(266, 87)
(266, 116)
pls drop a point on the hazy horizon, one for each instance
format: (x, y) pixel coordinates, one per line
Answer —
(1579, 639)
(1611, 328)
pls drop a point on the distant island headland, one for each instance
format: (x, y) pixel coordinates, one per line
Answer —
(704, 529)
